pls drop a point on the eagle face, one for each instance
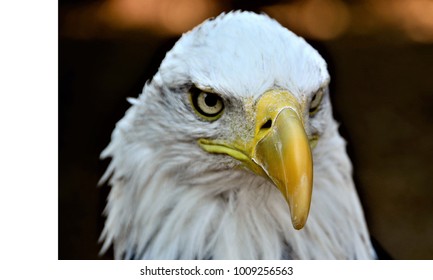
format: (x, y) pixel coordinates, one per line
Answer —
(220, 149)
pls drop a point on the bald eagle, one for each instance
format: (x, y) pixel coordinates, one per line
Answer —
(225, 150)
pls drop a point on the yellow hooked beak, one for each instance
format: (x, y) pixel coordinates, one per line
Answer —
(279, 150)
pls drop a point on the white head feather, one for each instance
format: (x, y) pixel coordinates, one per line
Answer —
(170, 199)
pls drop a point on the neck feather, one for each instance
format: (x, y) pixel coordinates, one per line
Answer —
(156, 211)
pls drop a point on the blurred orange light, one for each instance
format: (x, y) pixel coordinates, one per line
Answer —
(319, 19)
(414, 17)
(166, 16)
(420, 25)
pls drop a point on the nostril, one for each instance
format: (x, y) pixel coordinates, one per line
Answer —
(267, 124)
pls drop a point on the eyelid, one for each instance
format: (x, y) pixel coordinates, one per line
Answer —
(316, 101)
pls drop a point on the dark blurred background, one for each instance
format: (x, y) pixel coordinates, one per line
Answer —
(380, 55)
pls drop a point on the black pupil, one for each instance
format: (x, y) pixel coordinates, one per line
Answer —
(312, 109)
(314, 97)
(211, 100)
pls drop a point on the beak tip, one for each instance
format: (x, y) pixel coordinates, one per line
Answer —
(298, 226)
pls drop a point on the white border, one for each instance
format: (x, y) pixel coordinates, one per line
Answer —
(29, 136)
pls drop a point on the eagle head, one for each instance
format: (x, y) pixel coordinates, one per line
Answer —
(216, 158)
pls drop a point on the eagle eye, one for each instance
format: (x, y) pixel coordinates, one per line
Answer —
(315, 102)
(207, 105)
